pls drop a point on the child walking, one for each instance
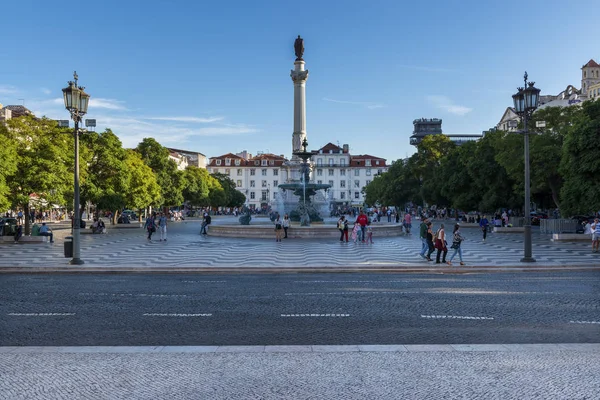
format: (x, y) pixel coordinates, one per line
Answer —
(369, 234)
(355, 231)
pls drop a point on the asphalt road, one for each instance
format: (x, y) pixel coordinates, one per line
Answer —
(298, 309)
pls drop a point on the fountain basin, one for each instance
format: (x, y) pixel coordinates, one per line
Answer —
(296, 231)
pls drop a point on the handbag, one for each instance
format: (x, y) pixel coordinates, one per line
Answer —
(455, 245)
(438, 244)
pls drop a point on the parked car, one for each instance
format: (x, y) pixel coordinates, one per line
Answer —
(129, 214)
(8, 226)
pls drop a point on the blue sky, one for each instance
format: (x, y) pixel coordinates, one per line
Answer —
(213, 76)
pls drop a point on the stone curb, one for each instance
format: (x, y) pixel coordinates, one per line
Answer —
(529, 347)
(293, 269)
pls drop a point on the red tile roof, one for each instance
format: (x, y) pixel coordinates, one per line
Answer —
(330, 146)
(591, 63)
(359, 161)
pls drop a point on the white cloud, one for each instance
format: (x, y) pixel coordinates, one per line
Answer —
(186, 119)
(45, 90)
(109, 104)
(446, 104)
(8, 89)
(369, 105)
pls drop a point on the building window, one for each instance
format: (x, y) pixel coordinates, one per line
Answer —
(357, 172)
(215, 170)
(368, 162)
(368, 171)
(342, 184)
(331, 183)
(252, 195)
(272, 162)
(264, 196)
(256, 162)
(239, 183)
(342, 195)
(343, 172)
(252, 183)
(379, 171)
(319, 172)
(357, 183)
(330, 151)
(263, 172)
(357, 195)
(275, 184)
(227, 171)
(331, 163)
(331, 172)
(228, 161)
(368, 181)
(264, 183)
(252, 172)
(263, 163)
(319, 182)
(377, 162)
(239, 172)
(237, 162)
(218, 162)
(319, 162)
(342, 162)
(275, 172)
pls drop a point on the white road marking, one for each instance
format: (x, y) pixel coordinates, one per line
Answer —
(585, 322)
(41, 314)
(315, 315)
(176, 315)
(133, 295)
(454, 317)
(203, 281)
(349, 292)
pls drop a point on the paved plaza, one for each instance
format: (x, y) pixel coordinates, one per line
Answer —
(122, 249)
(303, 372)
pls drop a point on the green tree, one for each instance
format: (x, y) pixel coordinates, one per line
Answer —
(44, 163)
(8, 164)
(580, 165)
(143, 187)
(231, 197)
(170, 180)
(195, 189)
(107, 181)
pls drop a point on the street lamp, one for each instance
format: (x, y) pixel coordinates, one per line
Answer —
(526, 100)
(76, 102)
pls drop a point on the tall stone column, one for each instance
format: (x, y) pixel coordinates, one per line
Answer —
(299, 76)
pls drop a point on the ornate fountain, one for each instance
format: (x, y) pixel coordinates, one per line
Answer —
(305, 210)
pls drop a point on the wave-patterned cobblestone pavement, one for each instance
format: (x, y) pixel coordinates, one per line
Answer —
(186, 248)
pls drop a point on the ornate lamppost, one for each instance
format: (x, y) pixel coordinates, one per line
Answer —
(76, 102)
(526, 101)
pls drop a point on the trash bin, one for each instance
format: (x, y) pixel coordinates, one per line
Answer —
(69, 247)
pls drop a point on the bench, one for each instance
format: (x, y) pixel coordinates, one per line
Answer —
(570, 236)
(514, 229)
(27, 239)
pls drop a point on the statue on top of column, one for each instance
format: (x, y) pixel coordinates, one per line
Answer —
(299, 48)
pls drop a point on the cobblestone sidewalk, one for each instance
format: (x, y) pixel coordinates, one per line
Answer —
(545, 372)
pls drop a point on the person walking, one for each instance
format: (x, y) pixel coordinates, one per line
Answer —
(342, 226)
(440, 245)
(407, 222)
(457, 239)
(18, 232)
(362, 220)
(595, 236)
(356, 232)
(150, 225)
(278, 228)
(423, 237)
(162, 227)
(286, 224)
(369, 234)
(430, 240)
(205, 223)
(483, 224)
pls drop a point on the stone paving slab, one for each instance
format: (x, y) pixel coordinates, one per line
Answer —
(487, 375)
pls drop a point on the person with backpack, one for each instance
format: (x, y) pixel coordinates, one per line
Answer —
(205, 223)
(456, 242)
(150, 225)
